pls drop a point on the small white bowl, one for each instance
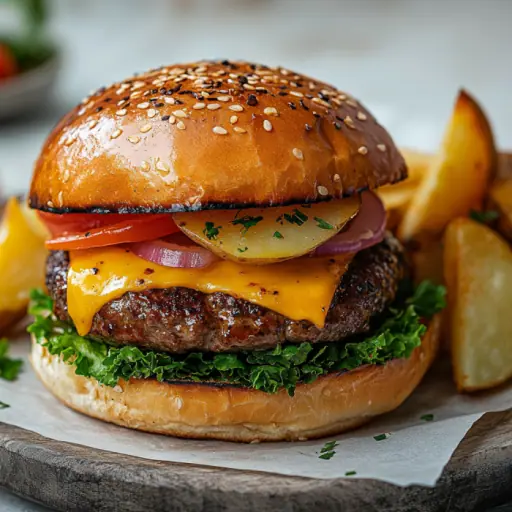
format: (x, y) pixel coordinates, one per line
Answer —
(26, 91)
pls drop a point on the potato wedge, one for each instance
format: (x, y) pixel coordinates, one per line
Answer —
(22, 260)
(458, 177)
(500, 199)
(418, 163)
(478, 273)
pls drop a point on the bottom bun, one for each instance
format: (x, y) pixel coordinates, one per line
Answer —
(330, 405)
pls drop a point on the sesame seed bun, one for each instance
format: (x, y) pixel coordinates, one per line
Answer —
(330, 405)
(212, 135)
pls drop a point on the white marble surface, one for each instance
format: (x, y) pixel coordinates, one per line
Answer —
(405, 59)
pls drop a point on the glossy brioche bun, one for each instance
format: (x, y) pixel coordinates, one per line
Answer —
(212, 135)
(328, 406)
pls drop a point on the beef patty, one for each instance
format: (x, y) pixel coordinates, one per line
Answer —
(181, 319)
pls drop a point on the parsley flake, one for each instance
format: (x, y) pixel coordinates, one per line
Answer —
(327, 455)
(242, 250)
(427, 417)
(329, 446)
(278, 235)
(211, 231)
(381, 437)
(296, 217)
(247, 221)
(350, 473)
(484, 217)
(3, 405)
(322, 224)
(9, 368)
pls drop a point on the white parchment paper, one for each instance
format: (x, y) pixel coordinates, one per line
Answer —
(415, 452)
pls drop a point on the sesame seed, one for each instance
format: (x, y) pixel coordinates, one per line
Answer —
(237, 129)
(361, 116)
(224, 98)
(213, 106)
(352, 103)
(145, 128)
(59, 198)
(381, 147)
(180, 113)
(144, 165)
(180, 125)
(50, 204)
(121, 112)
(65, 176)
(165, 118)
(267, 125)
(199, 106)
(336, 177)
(170, 101)
(236, 108)
(349, 122)
(322, 190)
(70, 140)
(297, 153)
(271, 111)
(143, 105)
(134, 139)
(172, 120)
(152, 112)
(249, 87)
(163, 168)
(93, 123)
(321, 102)
(219, 130)
(363, 150)
(116, 133)
(233, 119)
(297, 93)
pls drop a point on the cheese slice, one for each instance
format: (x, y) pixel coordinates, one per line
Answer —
(301, 289)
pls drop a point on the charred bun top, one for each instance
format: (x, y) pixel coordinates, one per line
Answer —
(212, 135)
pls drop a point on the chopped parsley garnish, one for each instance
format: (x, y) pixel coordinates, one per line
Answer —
(381, 437)
(350, 473)
(427, 417)
(211, 231)
(269, 370)
(3, 405)
(242, 250)
(484, 217)
(247, 221)
(327, 451)
(322, 224)
(9, 368)
(278, 235)
(296, 217)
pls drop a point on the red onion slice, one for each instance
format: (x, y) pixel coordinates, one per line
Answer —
(366, 229)
(176, 251)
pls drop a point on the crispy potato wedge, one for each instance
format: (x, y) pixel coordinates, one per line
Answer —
(22, 260)
(478, 274)
(458, 177)
(418, 163)
(500, 199)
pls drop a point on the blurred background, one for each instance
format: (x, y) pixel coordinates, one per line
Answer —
(405, 59)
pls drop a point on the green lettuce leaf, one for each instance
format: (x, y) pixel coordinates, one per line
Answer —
(267, 370)
(9, 368)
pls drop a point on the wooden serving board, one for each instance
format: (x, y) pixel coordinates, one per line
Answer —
(72, 477)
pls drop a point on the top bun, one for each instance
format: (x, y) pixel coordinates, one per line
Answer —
(212, 135)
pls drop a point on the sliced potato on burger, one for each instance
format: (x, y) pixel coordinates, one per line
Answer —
(266, 235)
(458, 178)
(478, 273)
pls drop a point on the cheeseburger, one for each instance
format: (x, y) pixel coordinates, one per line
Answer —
(219, 265)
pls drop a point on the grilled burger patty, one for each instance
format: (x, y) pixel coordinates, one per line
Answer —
(181, 319)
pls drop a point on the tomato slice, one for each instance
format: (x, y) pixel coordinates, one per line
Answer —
(103, 230)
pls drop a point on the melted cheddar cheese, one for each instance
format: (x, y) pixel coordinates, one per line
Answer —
(301, 289)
